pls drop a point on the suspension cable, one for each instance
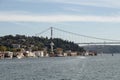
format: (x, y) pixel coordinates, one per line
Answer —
(104, 39)
(43, 31)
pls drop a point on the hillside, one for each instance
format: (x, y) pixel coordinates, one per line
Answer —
(36, 43)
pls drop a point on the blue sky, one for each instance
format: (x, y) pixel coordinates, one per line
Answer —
(98, 18)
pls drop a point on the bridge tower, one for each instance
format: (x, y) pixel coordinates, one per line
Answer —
(52, 44)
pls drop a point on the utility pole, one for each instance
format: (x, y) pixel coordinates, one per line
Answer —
(52, 44)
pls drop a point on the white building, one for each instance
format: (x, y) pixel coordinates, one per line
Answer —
(39, 53)
(29, 54)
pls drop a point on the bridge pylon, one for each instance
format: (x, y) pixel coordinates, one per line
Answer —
(52, 44)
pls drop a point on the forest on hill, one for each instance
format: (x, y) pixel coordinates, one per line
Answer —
(36, 43)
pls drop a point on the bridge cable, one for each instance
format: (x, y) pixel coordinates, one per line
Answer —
(43, 31)
(85, 35)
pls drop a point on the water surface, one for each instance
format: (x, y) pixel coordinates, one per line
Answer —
(105, 67)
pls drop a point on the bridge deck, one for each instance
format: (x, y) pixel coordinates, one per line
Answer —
(100, 43)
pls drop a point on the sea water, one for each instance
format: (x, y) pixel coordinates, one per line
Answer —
(101, 67)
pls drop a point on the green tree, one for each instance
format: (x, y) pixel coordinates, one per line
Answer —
(3, 48)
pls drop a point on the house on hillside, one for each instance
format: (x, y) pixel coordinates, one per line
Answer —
(16, 45)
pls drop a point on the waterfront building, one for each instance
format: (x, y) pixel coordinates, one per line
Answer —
(29, 54)
(90, 53)
(73, 53)
(39, 53)
(65, 54)
(1, 55)
(20, 55)
(8, 54)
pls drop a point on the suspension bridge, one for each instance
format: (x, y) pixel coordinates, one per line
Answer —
(80, 39)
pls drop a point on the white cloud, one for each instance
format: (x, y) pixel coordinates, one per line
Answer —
(96, 3)
(14, 12)
(56, 18)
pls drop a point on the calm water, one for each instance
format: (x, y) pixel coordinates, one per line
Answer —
(105, 67)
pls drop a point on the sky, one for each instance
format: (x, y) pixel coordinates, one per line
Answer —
(97, 18)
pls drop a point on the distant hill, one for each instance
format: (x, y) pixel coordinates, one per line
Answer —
(104, 49)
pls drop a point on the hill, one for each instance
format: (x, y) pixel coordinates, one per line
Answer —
(36, 43)
(104, 49)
